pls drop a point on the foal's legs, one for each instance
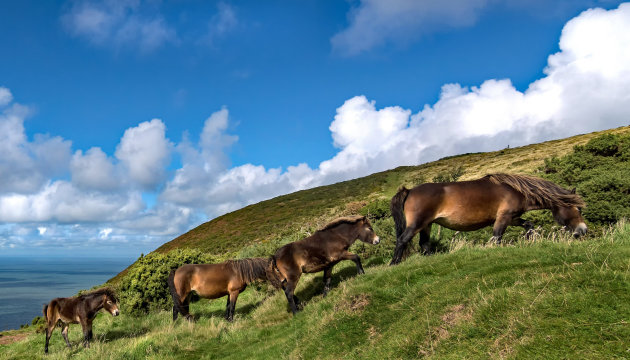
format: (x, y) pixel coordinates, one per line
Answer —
(64, 332)
(354, 257)
(289, 288)
(327, 276)
(87, 332)
(50, 326)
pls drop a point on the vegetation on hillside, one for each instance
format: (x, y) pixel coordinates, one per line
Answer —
(595, 164)
(552, 297)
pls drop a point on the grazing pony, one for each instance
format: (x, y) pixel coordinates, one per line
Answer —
(80, 309)
(497, 199)
(319, 252)
(212, 281)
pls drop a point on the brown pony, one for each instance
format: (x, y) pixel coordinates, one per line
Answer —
(212, 281)
(80, 309)
(319, 252)
(497, 199)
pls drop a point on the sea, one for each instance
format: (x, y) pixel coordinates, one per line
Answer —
(28, 283)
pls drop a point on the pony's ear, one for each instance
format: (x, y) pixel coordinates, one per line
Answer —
(573, 191)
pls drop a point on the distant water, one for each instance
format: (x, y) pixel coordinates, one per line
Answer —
(26, 284)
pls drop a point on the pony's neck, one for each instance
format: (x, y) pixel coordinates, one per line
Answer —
(348, 232)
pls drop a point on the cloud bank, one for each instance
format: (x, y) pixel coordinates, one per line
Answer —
(51, 194)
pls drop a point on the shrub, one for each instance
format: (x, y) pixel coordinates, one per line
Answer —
(145, 287)
(450, 175)
(376, 210)
(600, 170)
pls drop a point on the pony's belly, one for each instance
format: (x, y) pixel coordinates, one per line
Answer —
(459, 224)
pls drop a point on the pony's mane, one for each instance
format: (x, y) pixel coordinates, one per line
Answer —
(99, 292)
(250, 269)
(539, 191)
(343, 220)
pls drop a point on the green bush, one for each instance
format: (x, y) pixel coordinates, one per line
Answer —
(376, 210)
(144, 288)
(450, 175)
(600, 171)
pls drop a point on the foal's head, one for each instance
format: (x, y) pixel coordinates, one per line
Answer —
(110, 303)
(366, 233)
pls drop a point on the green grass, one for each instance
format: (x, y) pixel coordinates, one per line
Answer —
(551, 297)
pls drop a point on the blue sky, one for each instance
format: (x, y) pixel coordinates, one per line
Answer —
(126, 123)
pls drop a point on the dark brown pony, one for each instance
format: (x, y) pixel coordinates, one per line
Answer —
(319, 252)
(212, 281)
(80, 309)
(498, 200)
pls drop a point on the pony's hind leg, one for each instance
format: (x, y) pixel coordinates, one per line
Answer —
(289, 289)
(64, 332)
(402, 242)
(49, 330)
(425, 240)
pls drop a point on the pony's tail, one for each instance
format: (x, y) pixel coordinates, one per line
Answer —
(272, 273)
(171, 286)
(45, 311)
(396, 206)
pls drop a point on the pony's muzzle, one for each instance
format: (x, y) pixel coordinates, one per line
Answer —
(116, 312)
(376, 240)
(580, 230)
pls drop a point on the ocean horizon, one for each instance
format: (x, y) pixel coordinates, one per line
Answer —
(28, 283)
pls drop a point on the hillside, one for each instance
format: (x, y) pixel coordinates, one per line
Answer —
(552, 297)
(278, 220)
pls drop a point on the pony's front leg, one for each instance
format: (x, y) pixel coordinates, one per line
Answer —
(231, 307)
(327, 277)
(87, 333)
(527, 225)
(500, 224)
(356, 259)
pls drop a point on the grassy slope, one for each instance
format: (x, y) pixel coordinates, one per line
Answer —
(548, 298)
(283, 216)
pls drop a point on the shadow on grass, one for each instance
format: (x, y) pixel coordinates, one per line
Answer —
(116, 334)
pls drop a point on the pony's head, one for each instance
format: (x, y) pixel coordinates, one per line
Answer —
(570, 217)
(366, 233)
(110, 303)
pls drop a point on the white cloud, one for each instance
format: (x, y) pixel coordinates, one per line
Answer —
(374, 22)
(5, 96)
(585, 88)
(118, 23)
(94, 170)
(145, 152)
(223, 22)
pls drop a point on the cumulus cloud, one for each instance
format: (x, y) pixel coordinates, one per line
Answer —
(144, 151)
(118, 23)
(585, 88)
